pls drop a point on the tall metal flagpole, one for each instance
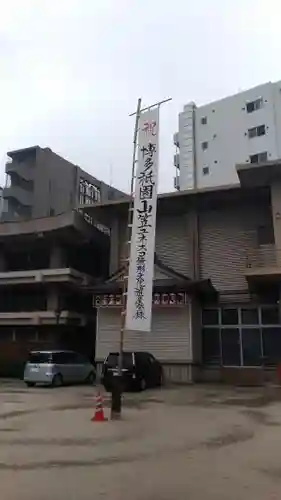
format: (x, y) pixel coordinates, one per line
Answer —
(128, 240)
(117, 386)
(116, 401)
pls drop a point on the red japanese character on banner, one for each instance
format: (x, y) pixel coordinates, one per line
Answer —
(149, 128)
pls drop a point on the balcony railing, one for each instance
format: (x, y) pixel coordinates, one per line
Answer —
(23, 170)
(18, 193)
(263, 256)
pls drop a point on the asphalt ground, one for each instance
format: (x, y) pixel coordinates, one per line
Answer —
(189, 442)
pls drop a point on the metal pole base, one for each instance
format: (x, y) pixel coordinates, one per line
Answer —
(115, 415)
(116, 398)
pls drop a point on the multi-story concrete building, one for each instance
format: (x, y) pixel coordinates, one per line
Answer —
(40, 184)
(46, 265)
(217, 280)
(212, 139)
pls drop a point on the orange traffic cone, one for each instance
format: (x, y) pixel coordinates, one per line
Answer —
(99, 413)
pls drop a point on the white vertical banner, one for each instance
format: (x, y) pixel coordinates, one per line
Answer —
(141, 263)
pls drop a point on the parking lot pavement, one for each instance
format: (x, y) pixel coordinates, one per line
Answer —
(185, 442)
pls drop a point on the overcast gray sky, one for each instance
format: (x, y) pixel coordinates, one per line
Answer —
(72, 70)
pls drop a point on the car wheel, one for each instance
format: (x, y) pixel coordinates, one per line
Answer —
(91, 378)
(30, 384)
(142, 384)
(57, 380)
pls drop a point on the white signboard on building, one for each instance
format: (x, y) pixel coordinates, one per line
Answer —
(141, 264)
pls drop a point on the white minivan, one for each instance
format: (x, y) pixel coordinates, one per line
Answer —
(56, 368)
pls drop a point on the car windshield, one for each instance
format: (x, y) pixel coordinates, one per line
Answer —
(112, 359)
(40, 357)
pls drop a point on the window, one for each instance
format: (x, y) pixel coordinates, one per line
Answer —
(6, 334)
(252, 132)
(254, 158)
(211, 346)
(270, 315)
(254, 105)
(40, 357)
(151, 358)
(272, 345)
(205, 145)
(241, 336)
(250, 316)
(263, 157)
(265, 235)
(229, 316)
(59, 358)
(230, 346)
(256, 131)
(261, 130)
(88, 193)
(8, 181)
(205, 170)
(204, 120)
(259, 157)
(112, 360)
(210, 317)
(251, 344)
(80, 359)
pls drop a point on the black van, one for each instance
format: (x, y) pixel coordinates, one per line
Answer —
(140, 370)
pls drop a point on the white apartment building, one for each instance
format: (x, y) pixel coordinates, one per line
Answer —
(213, 138)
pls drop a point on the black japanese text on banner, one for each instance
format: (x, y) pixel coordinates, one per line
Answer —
(141, 265)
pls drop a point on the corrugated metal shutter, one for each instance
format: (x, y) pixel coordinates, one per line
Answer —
(107, 331)
(159, 274)
(225, 239)
(173, 243)
(235, 297)
(169, 339)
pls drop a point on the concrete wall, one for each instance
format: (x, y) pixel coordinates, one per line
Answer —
(55, 184)
(107, 192)
(226, 132)
(226, 236)
(186, 138)
(211, 241)
(173, 242)
(17, 342)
